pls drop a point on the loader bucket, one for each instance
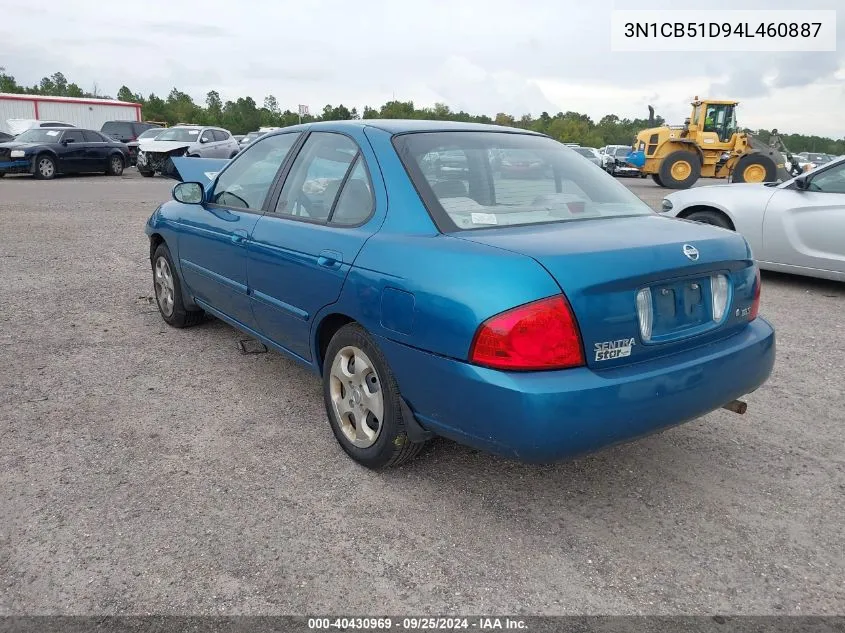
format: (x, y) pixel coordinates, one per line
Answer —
(779, 159)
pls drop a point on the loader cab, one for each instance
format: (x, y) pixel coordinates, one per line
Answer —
(715, 121)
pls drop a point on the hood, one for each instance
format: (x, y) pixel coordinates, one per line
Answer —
(723, 189)
(24, 146)
(162, 146)
(202, 170)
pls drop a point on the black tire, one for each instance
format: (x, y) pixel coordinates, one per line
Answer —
(754, 164)
(2, 173)
(145, 173)
(392, 445)
(116, 166)
(42, 172)
(687, 161)
(656, 178)
(710, 217)
(643, 175)
(179, 316)
(233, 155)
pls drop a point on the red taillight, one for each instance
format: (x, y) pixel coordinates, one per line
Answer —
(755, 305)
(534, 336)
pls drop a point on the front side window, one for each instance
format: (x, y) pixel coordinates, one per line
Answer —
(506, 179)
(247, 181)
(830, 181)
(314, 182)
(220, 135)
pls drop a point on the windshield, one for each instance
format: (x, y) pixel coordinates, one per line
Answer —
(585, 152)
(508, 179)
(818, 158)
(150, 134)
(179, 134)
(621, 152)
(39, 135)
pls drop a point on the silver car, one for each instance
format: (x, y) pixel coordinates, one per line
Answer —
(590, 153)
(795, 227)
(185, 140)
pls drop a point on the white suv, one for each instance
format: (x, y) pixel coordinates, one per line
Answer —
(185, 140)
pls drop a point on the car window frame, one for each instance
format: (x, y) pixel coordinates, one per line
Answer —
(99, 138)
(65, 133)
(822, 172)
(271, 206)
(444, 224)
(294, 150)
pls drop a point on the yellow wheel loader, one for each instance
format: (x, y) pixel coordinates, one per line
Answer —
(708, 145)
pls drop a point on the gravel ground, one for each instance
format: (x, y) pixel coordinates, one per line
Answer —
(149, 470)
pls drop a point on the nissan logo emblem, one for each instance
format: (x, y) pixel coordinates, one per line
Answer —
(691, 252)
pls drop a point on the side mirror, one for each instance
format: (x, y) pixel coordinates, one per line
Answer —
(67, 140)
(204, 139)
(189, 193)
(802, 183)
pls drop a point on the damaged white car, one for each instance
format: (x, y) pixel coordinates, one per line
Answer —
(184, 140)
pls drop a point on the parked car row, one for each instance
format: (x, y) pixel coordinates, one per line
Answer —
(46, 152)
(154, 155)
(50, 148)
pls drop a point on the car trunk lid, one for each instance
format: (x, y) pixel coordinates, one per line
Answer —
(675, 265)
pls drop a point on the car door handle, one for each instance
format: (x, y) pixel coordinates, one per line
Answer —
(330, 259)
(238, 236)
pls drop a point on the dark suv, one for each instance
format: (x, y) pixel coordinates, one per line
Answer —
(127, 132)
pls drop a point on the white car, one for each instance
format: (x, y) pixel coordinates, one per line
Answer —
(797, 226)
(614, 163)
(185, 140)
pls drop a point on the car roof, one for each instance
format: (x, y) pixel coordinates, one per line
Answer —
(402, 126)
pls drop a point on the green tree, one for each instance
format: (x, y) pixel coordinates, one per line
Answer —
(243, 115)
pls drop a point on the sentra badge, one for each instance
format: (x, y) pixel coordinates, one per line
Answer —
(614, 349)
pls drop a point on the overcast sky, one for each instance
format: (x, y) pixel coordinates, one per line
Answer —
(483, 56)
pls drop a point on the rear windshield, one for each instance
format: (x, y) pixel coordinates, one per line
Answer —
(471, 180)
(150, 134)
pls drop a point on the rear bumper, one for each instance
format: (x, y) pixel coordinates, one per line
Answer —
(548, 416)
(23, 166)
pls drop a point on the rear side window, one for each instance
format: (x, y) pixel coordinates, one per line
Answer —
(74, 136)
(356, 202)
(220, 135)
(93, 137)
(119, 129)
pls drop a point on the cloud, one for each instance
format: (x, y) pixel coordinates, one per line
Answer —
(182, 29)
(482, 56)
